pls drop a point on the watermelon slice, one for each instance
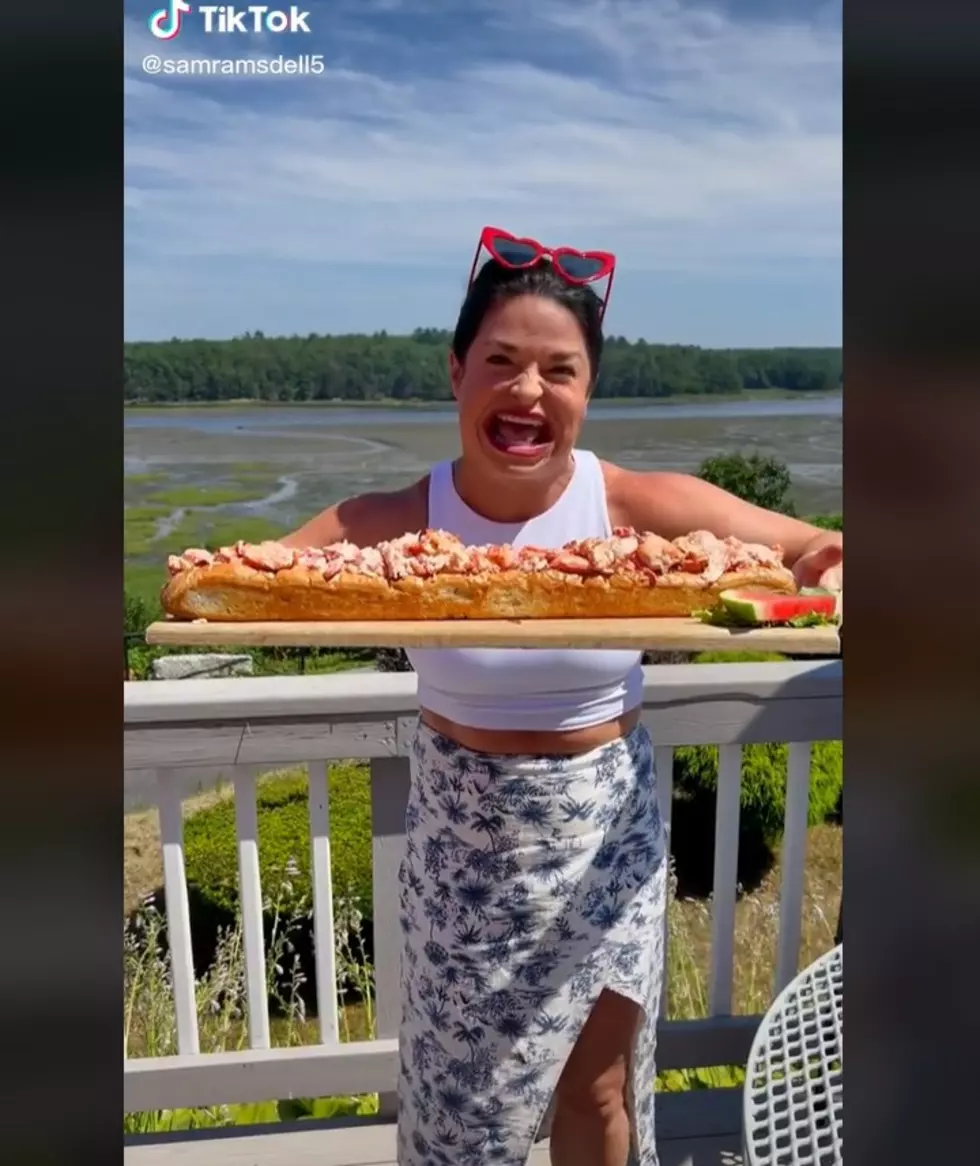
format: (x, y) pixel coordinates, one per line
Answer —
(756, 605)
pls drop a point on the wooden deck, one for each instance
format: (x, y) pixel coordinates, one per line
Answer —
(696, 1129)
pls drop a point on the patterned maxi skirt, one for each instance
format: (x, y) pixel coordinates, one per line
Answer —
(529, 885)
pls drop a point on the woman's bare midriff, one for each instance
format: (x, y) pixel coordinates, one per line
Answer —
(573, 742)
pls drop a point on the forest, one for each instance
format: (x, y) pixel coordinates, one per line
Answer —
(378, 368)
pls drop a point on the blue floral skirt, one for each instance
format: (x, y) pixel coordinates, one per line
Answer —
(529, 885)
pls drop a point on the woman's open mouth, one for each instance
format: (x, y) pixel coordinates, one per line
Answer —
(519, 434)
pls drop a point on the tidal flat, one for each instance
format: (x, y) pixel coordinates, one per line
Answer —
(208, 477)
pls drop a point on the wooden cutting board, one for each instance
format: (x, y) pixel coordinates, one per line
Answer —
(678, 635)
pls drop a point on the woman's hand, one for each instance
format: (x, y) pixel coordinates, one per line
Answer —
(823, 566)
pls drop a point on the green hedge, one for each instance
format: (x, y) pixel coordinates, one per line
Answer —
(210, 842)
(763, 789)
(763, 792)
(284, 832)
(738, 658)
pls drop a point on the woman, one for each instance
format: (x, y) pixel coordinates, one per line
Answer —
(533, 887)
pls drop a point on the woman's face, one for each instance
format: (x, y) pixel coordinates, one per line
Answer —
(523, 388)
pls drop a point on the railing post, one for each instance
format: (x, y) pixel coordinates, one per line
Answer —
(178, 730)
(324, 940)
(389, 798)
(726, 879)
(250, 898)
(794, 863)
(169, 803)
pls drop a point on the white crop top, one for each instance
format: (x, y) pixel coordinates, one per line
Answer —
(546, 689)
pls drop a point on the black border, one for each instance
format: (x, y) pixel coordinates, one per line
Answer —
(912, 687)
(61, 585)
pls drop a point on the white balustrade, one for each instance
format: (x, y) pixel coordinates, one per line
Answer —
(250, 897)
(726, 872)
(322, 880)
(794, 862)
(169, 804)
(237, 728)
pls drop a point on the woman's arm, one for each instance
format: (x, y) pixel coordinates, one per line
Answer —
(676, 504)
(365, 519)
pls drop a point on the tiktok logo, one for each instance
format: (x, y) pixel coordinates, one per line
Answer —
(165, 22)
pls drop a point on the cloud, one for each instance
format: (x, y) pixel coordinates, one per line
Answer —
(691, 139)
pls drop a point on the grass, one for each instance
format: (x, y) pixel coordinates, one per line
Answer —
(145, 580)
(149, 1018)
(146, 555)
(139, 527)
(149, 1029)
(149, 479)
(202, 525)
(197, 528)
(180, 496)
(144, 572)
(213, 530)
(146, 513)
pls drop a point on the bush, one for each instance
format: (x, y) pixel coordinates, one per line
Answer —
(210, 843)
(763, 481)
(828, 521)
(738, 658)
(138, 614)
(763, 791)
(392, 660)
(763, 788)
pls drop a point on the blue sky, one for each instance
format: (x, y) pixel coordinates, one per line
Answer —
(701, 143)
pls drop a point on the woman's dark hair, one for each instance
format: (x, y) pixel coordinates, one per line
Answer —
(495, 283)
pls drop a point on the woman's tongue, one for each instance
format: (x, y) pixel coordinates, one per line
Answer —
(521, 438)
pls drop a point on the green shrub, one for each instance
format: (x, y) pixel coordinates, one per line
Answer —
(738, 658)
(759, 479)
(763, 791)
(146, 580)
(828, 521)
(210, 842)
(138, 613)
(763, 788)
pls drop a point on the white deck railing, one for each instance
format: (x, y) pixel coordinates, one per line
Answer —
(181, 733)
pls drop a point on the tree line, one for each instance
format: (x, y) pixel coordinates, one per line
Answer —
(413, 368)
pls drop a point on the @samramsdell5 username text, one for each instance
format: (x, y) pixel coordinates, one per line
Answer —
(301, 65)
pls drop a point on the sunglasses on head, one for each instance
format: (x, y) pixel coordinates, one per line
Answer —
(575, 267)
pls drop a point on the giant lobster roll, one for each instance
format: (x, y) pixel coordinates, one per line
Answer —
(431, 575)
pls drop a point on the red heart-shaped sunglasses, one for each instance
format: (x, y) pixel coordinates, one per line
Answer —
(575, 267)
